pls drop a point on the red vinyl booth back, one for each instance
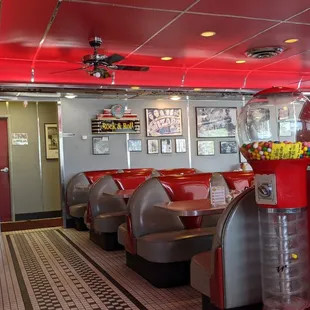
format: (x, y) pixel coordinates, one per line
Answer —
(187, 187)
(138, 170)
(238, 180)
(131, 180)
(178, 171)
(93, 176)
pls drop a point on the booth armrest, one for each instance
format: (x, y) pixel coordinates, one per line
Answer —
(216, 282)
(131, 241)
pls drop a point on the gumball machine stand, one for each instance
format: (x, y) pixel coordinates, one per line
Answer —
(280, 169)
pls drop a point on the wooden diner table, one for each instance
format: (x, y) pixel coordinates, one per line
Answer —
(191, 212)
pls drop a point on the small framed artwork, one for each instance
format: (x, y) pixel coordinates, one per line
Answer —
(152, 146)
(285, 129)
(228, 147)
(51, 141)
(135, 145)
(166, 146)
(216, 122)
(101, 146)
(205, 148)
(283, 114)
(180, 145)
(242, 159)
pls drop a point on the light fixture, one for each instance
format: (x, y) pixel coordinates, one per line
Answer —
(207, 34)
(197, 89)
(135, 87)
(175, 98)
(70, 96)
(166, 58)
(285, 108)
(240, 61)
(25, 104)
(291, 41)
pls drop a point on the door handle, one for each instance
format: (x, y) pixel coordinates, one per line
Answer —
(6, 170)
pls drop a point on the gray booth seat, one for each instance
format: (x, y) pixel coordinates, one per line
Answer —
(163, 247)
(107, 213)
(76, 198)
(237, 234)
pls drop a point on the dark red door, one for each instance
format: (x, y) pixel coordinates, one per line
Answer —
(5, 197)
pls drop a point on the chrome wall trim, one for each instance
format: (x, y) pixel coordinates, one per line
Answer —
(61, 165)
(127, 138)
(189, 146)
(40, 152)
(282, 211)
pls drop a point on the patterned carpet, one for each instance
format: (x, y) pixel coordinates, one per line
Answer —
(54, 269)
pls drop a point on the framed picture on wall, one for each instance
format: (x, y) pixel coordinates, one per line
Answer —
(152, 146)
(216, 122)
(135, 145)
(180, 145)
(166, 146)
(228, 147)
(51, 141)
(101, 146)
(205, 148)
(163, 122)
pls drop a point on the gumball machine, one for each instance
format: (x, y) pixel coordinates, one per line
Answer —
(274, 137)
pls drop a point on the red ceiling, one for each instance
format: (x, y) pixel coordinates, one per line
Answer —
(145, 30)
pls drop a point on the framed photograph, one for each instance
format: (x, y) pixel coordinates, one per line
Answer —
(166, 146)
(242, 159)
(152, 146)
(135, 145)
(258, 123)
(228, 147)
(163, 122)
(283, 114)
(216, 122)
(51, 141)
(288, 128)
(180, 145)
(205, 148)
(101, 146)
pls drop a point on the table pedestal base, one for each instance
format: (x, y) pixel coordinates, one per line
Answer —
(191, 222)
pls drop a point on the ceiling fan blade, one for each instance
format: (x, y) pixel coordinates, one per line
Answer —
(76, 69)
(132, 68)
(114, 58)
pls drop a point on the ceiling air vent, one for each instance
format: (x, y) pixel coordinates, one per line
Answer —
(264, 52)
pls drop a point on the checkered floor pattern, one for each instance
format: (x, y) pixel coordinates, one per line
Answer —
(56, 268)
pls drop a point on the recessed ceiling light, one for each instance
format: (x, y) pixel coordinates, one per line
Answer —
(197, 89)
(291, 40)
(208, 34)
(240, 61)
(166, 58)
(175, 98)
(135, 87)
(70, 96)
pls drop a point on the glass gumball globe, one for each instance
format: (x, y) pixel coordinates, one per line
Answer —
(275, 124)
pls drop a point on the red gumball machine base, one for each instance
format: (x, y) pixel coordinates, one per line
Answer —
(281, 193)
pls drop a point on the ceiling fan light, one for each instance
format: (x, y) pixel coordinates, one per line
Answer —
(70, 96)
(97, 74)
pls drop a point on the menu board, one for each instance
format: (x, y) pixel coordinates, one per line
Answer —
(218, 195)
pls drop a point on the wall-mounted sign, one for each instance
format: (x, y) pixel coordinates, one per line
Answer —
(68, 135)
(115, 120)
(163, 122)
(118, 111)
(100, 126)
(19, 139)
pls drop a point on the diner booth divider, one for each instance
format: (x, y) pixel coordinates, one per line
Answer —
(77, 193)
(107, 211)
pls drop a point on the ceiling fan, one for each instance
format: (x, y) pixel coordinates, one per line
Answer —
(99, 66)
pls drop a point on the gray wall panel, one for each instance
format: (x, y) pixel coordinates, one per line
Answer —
(218, 162)
(3, 108)
(50, 168)
(78, 156)
(76, 116)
